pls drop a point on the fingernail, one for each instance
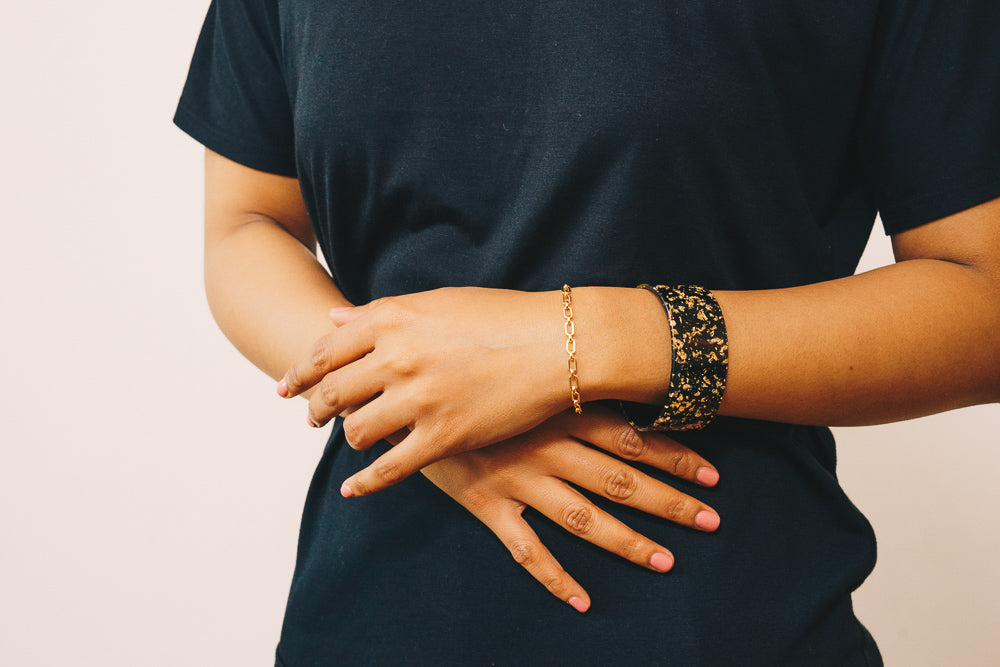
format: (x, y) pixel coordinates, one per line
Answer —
(346, 491)
(707, 520)
(579, 604)
(662, 562)
(707, 476)
(282, 388)
(340, 309)
(309, 420)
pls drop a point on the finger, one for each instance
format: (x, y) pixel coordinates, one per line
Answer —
(344, 314)
(570, 509)
(531, 554)
(341, 315)
(375, 421)
(620, 482)
(394, 438)
(343, 389)
(330, 352)
(406, 458)
(605, 429)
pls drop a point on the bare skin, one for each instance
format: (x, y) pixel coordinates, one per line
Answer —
(911, 339)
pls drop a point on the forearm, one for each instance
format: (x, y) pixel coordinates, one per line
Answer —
(268, 293)
(903, 341)
(906, 340)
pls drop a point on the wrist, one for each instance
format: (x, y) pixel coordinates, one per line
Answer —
(623, 345)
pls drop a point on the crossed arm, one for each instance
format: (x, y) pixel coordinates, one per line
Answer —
(918, 337)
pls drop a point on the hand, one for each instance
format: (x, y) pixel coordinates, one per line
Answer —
(460, 368)
(496, 483)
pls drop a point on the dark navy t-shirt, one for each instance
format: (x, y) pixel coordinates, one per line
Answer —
(732, 144)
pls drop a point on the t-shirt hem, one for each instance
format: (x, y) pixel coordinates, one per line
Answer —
(939, 204)
(249, 156)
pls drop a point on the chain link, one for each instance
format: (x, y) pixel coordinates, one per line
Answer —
(570, 329)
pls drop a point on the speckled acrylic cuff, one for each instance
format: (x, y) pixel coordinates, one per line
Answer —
(699, 360)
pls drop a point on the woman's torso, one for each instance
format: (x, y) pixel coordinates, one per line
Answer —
(526, 144)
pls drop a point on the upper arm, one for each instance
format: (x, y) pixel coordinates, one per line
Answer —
(236, 195)
(970, 238)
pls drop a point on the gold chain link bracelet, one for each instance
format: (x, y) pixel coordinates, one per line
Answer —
(570, 328)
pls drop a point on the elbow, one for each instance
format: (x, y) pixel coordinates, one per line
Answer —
(991, 353)
(992, 338)
(981, 368)
(993, 386)
(991, 356)
(985, 351)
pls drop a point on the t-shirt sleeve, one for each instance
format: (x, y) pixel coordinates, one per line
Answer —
(235, 100)
(930, 129)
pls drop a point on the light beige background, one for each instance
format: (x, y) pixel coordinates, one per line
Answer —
(151, 482)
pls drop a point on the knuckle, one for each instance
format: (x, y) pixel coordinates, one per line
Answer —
(389, 311)
(319, 356)
(555, 583)
(620, 484)
(328, 390)
(352, 430)
(387, 471)
(579, 518)
(401, 364)
(629, 443)
(524, 552)
(632, 548)
(676, 507)
(360, 488)
(678, 463)
(475, 498)
(444, 431)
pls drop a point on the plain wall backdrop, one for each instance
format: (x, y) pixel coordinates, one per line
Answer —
(151, 482)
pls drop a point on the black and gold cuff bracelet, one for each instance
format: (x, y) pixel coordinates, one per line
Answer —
(699, 362)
